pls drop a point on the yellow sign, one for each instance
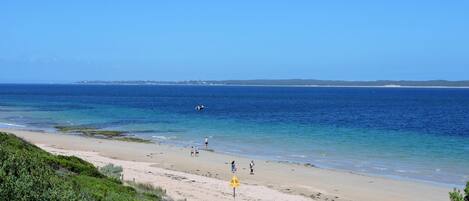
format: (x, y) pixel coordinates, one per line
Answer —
(234, 182)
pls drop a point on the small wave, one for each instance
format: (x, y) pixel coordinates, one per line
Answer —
(407, 171)
(298, 156)
(278, 156)
(161, 137)
(358, 165)
(380, 168)
(11, 125)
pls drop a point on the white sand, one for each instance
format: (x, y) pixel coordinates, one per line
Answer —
(207, 177)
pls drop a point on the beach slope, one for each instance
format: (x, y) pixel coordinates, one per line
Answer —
(207, 177)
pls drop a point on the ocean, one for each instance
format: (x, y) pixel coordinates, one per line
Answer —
(406, 133)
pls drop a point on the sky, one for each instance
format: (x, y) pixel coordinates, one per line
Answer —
(68, 41)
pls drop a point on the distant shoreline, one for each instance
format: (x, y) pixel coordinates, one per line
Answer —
(305, 86)
(431, 84)
(295, 83)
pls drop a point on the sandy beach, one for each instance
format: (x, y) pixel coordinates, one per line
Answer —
(207, 177)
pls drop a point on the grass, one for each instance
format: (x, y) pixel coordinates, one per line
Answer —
(148, 189)
(111, 171)
(30, 173)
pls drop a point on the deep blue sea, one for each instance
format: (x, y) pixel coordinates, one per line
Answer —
(405, 133)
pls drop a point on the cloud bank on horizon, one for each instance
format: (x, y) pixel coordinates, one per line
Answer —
(57, 41)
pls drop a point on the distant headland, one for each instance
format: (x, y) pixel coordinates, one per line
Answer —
(294, 82)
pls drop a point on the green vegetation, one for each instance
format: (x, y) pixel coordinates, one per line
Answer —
(30, 173)
(456, 194)
(147, 189)
(112, 171)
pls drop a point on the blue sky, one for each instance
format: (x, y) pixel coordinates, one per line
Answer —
(59, 41)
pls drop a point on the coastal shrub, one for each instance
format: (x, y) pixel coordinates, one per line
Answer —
(467, 192)
(111, 171)
(73, 164)
(30, 173)
(101, 189)
(148, 189)
(24, 176)
(456, 194)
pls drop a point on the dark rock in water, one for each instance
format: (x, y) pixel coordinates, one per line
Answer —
(210, 150)
(89, 131)
(132, 139)
(94, 132)
(309, 165)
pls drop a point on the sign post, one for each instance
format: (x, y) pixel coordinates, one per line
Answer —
(234, 183)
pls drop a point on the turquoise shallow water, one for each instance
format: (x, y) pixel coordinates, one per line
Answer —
(405, 133)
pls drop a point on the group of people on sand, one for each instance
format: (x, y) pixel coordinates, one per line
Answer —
(195, 149)
(195, 153)
(234, 169)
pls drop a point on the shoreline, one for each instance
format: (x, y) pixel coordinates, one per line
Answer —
(245, 155)
(285, 178)
(252, 85)
(239, 155)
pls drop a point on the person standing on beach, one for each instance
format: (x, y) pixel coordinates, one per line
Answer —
(196, 151)
(206, 142)
(251, 167)
(192, 150)
(233, 166)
